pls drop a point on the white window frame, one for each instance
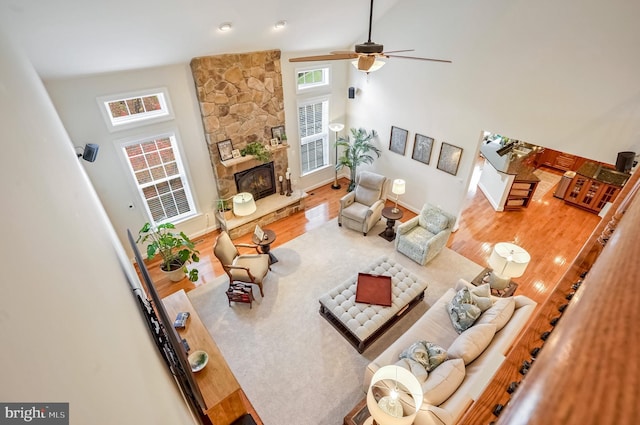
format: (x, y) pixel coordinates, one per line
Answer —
(324, 84)
(173, 136)
(131, 121)
(324, 134)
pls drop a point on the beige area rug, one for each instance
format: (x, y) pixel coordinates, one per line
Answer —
(292, 364)
(548, 181)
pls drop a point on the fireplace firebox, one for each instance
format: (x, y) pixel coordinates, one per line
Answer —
(259, 181)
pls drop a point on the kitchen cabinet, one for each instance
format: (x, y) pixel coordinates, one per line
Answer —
(590, 194)
(520, 194)
(559, 160)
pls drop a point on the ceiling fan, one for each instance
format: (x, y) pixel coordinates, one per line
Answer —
(366, 53)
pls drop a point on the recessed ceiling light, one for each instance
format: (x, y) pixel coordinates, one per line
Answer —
(280, 24)
(225, 26)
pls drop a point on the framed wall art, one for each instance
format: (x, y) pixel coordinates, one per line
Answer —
(398, 142)
(277, 132)
(449, 158)
(226, 150)
(422, 147)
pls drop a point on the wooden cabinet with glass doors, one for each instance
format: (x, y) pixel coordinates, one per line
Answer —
(590, 194)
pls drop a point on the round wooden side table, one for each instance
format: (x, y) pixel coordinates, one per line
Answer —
(391, 216)
(265, 244)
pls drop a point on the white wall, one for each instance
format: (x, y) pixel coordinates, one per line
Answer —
(75, 101)
(558, 74)
(70, 328)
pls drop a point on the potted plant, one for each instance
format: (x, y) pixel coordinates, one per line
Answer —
(258, 150)
(176, 250)
(357, 152)
(225, 208)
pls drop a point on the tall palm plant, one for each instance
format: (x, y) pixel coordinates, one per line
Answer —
(357, 152)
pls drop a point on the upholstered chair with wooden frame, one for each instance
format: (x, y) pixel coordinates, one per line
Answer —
(247, 268)
(362, 208)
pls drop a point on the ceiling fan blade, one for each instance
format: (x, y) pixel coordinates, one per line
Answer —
(365, 62)
(349, 55)
(345, 52)
(397, 51)
(422, 59)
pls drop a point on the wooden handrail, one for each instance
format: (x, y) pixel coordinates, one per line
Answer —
(588, 371)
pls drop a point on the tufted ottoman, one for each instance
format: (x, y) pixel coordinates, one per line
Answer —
(362, 323)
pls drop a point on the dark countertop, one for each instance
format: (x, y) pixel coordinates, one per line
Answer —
(516, 162)
(603, 174)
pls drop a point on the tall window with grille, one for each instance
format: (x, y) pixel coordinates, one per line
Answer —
(313, 125)
(160, 177)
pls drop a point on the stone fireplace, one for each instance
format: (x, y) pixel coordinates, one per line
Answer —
(241, 99)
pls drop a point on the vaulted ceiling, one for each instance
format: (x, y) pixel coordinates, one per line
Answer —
(64, 38)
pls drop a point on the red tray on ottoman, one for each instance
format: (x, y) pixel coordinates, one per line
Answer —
(373, 289)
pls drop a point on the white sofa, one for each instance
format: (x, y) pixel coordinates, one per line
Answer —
(435, 326)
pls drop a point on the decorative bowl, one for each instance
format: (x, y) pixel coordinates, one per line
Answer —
(198, 360)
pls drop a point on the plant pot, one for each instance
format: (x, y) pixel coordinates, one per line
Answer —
(228, 215)
(174, 275)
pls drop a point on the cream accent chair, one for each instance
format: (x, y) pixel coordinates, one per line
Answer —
(361, 209)
(423, 237)
(247, 268)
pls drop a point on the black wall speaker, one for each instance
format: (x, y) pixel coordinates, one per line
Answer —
(90, 152)
(624, 162)
(352, 92)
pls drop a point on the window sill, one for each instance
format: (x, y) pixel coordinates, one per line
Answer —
(318, 170)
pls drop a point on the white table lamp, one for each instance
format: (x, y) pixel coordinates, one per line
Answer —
(243, 204)
(397, 189)
(507, 261)
(402, 399)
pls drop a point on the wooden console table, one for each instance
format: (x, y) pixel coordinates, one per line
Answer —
(225, 401)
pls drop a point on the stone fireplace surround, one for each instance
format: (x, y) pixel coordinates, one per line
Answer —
(241, 99)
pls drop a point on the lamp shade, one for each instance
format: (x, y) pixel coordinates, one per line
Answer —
(508, 260)
(398, 187)
(402, 388)
(336, 126)
(243, 204)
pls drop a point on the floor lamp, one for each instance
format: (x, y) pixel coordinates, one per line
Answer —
(336, 127)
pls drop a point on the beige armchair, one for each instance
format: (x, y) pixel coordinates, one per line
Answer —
(247, 268)
(361, 209)
(423, 237)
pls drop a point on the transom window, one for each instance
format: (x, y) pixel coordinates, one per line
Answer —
(312, 78)
(159, 175)
(313, 125)
(134, 109)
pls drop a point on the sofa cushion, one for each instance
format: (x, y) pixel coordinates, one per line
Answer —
(415, 368)
(472, 342)
(443, 381)
(481, 296)
(499, 314)
(433, 220)
(462, 310)
(428, 354)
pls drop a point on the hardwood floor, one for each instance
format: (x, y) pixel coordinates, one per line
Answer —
(549, 230)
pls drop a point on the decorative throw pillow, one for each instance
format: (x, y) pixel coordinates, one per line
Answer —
(433, 221)
(443, 381)
(415, 368)
(499, 314)
(472, 342)
(428, 354)
(462, 310)
(481, 296)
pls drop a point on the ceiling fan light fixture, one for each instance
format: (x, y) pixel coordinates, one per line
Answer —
(280, 24)
(377, 64)
(225, 26)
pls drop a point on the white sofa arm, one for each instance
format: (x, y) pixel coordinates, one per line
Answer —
(407, 225)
